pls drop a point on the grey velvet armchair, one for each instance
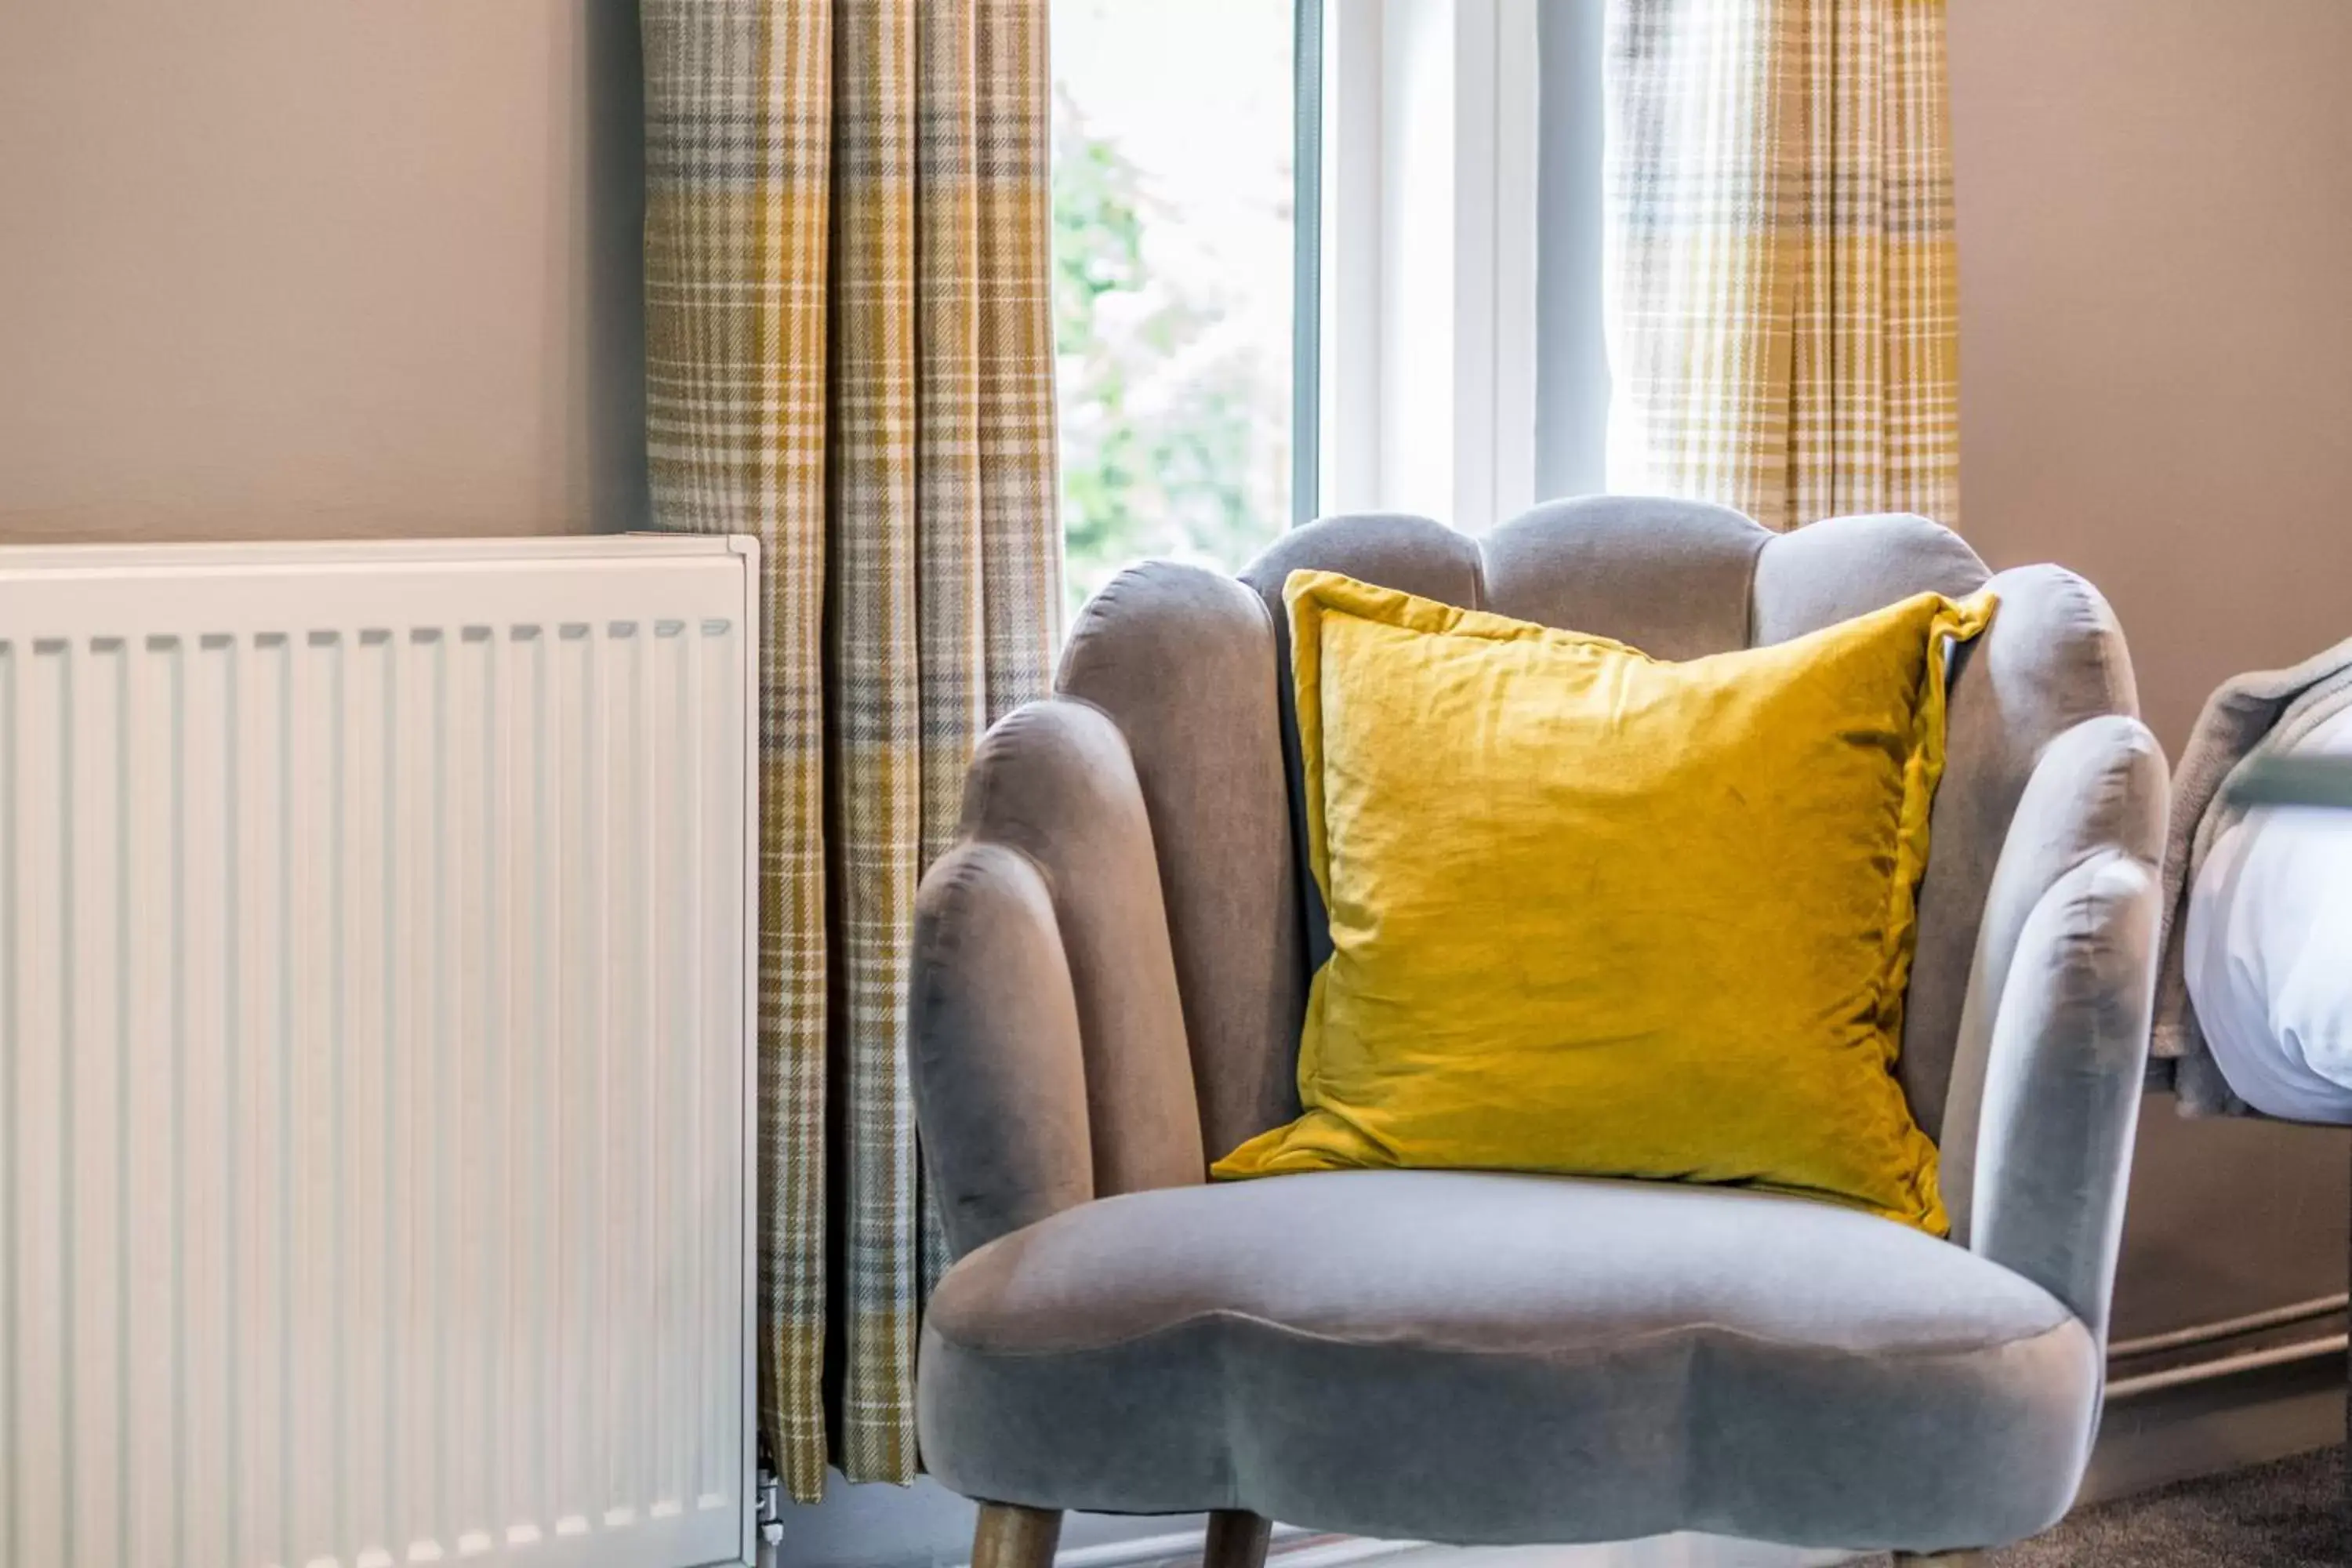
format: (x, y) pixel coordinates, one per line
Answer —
(1110, 968)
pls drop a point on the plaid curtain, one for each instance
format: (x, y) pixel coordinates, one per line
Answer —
(849, 354)
(1781, 282)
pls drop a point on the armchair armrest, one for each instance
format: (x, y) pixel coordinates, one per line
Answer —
(1047, 1041)
(1000, 1079)
(2054, 1032)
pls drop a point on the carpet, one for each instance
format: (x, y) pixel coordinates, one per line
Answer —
(2288, 1514)
(2282, 1515)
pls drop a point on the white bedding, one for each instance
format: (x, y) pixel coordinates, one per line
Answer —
(2268, 953)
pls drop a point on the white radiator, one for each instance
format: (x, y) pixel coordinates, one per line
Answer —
(376, 930)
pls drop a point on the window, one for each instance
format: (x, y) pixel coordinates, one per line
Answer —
(1431, 342)
(1175, 229)
(1414, 324)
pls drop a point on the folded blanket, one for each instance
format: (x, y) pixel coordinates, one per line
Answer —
(2267, 709)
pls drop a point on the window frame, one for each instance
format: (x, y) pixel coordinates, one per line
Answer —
(1306, 277)
(1426, 326)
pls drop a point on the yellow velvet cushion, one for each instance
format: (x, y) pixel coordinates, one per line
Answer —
(1597, 913)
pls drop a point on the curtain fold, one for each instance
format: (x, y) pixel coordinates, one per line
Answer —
(849, 354)
(1782, 291)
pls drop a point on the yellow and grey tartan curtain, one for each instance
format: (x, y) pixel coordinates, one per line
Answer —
(1781, 281)
(849, 354)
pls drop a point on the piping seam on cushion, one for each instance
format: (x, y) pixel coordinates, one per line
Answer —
(1599, 1352)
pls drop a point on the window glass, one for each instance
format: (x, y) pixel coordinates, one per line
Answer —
(1172, 312)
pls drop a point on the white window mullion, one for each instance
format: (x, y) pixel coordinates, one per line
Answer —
(1349, 411)
(1511, 264)
(1419, 316)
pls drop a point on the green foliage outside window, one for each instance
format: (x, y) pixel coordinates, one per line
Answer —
(1174, 431)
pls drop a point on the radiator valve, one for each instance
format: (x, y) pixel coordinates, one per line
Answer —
(770, 1510)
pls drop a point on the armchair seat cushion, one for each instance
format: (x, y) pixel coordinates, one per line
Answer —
(1486, 1358)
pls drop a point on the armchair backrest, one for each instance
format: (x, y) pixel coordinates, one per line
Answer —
(1193, 668)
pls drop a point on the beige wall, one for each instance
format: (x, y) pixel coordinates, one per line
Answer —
(301, 267)
(2155, 232)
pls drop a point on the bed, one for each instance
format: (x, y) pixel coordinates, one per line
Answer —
(2253, 1011)
(2266, 944)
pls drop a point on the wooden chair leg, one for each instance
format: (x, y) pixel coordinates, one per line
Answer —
(1010, 1536)
(1236, 1540)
